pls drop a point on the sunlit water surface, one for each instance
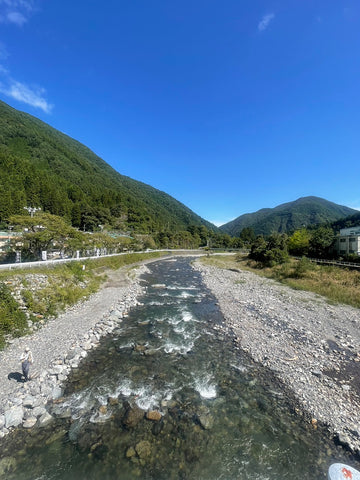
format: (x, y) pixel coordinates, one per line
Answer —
(222, 417)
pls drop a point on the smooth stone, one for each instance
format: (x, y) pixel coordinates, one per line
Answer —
(39, 411)
(154, 415)
(30, 422)
(57, 392)
(29, 401)
(14, 417)
(45, 419)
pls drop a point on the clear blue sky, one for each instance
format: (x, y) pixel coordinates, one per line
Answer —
(229, 106)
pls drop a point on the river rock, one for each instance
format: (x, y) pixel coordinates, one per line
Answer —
(57, 392)
(38, 411)
(14, 416)
(143, 449)
(45, 419)
(29, 401)
(57, 369)
(133, 416)
(73, 353)
(157, 427)
(206, 421)
(130, 452)
(2, 421)
(154, 415)
(29, 422)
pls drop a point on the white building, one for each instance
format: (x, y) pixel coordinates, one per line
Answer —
(348, 242)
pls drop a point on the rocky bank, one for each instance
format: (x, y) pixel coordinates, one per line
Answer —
(312, 346)
(57, 348)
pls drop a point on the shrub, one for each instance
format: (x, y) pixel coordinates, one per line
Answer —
(12, 320)
(302, 267)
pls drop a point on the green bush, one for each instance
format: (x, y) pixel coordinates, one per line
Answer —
(12, 319)
(303, 266)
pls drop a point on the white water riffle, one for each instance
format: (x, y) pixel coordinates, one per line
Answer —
(206, 387)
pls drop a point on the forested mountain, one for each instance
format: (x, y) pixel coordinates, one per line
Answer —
(347, 222)
(289, 216)
(42, 167)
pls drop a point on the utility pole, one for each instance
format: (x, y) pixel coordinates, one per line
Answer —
(32, 210)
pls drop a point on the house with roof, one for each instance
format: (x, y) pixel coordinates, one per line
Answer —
(348, 241)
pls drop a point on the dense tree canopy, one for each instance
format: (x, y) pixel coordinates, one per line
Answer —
(41, 167)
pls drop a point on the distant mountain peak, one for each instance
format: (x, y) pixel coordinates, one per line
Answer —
(289, 216)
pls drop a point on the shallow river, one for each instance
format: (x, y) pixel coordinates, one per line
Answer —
(215, 414)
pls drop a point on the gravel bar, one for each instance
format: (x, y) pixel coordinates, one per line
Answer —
(313, 347)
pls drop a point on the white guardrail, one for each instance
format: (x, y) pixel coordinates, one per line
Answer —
(42, 263)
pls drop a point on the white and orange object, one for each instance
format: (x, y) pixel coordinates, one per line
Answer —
(339, 471)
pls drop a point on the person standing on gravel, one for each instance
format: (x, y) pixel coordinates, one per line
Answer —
(26, 360)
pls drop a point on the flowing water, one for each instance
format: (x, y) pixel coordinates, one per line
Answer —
(215, 415)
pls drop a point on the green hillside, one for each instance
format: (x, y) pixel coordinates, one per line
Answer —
(289, 216)
(42, 167)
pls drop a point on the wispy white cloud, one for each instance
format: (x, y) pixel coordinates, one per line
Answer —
(265, 21)
(31, 95)
(27, 5)
(15, 12)
(17, 18)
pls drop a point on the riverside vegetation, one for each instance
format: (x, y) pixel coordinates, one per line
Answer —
(338, 285)
(27, 298)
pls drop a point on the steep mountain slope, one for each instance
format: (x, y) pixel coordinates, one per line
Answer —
(42, 167)
(289, 216)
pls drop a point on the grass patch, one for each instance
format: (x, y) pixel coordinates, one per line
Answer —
(338, 285)
(62, 285)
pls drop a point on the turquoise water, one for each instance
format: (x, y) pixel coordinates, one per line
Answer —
(218, 415)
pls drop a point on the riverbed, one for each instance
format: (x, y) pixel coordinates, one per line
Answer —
(170, 395)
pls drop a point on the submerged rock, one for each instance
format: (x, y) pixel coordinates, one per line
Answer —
(130, 452)
(206, 421)
(133, 416)
(154, 415)
(143, 449)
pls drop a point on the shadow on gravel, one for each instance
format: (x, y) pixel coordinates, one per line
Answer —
(16, 376)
